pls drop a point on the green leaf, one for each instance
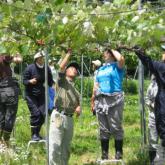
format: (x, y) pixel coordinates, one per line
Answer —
(58, 2)
(2, 49)
(19, 4)
(27, 4)
(41, 18)
(48, 13)
(24, 49)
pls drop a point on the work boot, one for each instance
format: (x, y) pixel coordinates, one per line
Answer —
(104, 148)
(38, 132)
(35, 133)
(1, 134)
(6, 137)
(163, 142)
(152, 155)
(119, 149)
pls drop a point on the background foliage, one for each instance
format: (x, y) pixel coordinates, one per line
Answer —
(84, 28)
(87, 29)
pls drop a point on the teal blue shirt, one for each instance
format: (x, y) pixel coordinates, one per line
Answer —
(110, 78)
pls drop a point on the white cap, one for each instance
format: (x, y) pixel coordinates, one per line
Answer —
(97, 63)
(163, 47)
(39, 54)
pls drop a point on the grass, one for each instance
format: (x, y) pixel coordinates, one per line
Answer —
(85, 148)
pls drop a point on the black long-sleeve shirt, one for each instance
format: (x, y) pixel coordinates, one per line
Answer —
(33, 71)
(156, 67)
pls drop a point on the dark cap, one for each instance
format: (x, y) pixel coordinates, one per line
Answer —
(75, 65)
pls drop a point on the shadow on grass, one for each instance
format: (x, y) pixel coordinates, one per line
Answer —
(142, 158)
(83, 144)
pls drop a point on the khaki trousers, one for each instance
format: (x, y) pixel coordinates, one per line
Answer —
(60, 137)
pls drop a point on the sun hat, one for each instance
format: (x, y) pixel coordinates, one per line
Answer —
(163, 46)
(39, 54)
(97, 63)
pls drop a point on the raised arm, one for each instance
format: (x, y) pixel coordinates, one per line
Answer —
(65, 60)
(120, 59)
(146, 60)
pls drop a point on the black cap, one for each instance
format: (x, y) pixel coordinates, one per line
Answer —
(75, 65)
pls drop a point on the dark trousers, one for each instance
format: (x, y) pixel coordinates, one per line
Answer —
(36, 105)
(8, 107)
(160, 114)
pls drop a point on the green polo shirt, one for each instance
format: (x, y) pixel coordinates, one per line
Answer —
(67, 98)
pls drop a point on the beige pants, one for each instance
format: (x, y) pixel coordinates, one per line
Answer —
(60, 137)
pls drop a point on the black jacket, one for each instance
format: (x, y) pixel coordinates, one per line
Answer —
(33, 71)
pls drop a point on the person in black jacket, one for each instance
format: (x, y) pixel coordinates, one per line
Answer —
(34, 79)
(158, 69)
(9, 91)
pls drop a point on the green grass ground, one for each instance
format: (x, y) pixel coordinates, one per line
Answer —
(85, 145)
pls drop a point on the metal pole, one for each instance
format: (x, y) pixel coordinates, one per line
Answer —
(82, 68)
(88, 89)
(46, 104)
(88, 70)
(141, 96)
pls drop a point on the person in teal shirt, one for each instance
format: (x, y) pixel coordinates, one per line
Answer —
(110, 78)
(108, 101)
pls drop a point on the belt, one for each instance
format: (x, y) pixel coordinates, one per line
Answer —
(66, 114)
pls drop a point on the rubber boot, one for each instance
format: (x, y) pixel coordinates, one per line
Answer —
(163, 142)
(6, 138)
(38, 131)
(119, 149)
(104, 148)
(1, 134)
(152, 155)
(35, 133)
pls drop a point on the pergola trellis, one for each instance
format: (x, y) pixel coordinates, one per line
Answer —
(141, 90)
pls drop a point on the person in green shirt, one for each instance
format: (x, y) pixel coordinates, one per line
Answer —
(67, 102)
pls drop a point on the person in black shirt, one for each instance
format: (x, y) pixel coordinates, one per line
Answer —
(9, 91)
(34, 79)
(158, 69)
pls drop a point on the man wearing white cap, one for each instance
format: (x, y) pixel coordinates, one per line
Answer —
(34, 79)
